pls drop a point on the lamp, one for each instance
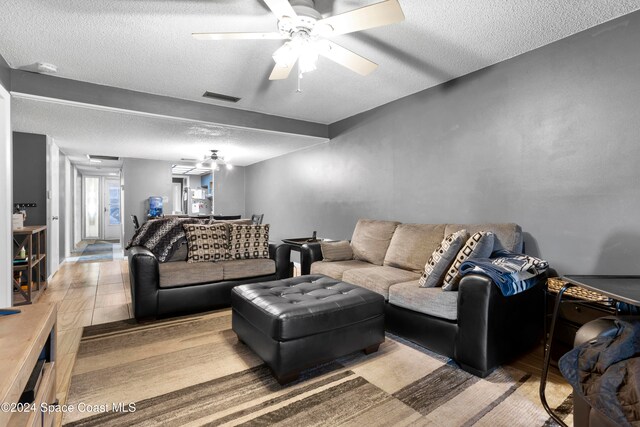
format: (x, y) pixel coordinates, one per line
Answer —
(303, 48)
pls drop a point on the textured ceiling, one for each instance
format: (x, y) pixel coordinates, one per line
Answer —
(79, 131)
(145, 45)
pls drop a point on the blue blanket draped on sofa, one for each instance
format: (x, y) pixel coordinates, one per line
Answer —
(513, 273)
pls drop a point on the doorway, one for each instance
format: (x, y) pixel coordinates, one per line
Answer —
(112, 223)
(102, 213)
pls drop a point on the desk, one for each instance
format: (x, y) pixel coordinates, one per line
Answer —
(620, 288)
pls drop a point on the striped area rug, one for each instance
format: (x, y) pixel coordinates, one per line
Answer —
(192, 372)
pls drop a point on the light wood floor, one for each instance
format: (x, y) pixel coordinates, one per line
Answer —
(89, 293)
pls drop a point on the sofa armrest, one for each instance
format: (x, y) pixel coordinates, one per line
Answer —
(309, 253)
(281, 254)
(492, 328)
(144, 275)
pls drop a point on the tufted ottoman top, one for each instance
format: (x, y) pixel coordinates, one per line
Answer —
(305, 305)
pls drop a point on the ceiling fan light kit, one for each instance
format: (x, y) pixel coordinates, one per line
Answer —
(306, 31)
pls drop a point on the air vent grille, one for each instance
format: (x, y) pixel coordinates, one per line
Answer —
(94, 157)
(220, 97)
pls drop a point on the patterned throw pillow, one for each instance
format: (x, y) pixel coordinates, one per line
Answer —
(441, 259)
(249, 241)
(480, 245)
(336, 251)
(207, 243)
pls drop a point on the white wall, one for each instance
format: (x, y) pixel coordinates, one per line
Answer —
(143, 178)
(6, 197)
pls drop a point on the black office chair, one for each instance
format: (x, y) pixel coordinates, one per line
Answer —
(136, 224)
(226, 217)
(256, 219)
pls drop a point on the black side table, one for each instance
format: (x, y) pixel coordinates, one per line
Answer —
(619, 288)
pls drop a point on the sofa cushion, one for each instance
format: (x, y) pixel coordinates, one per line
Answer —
(379, 278)
(371, 238)
(249, 241)
(335, 269)
(508, 235)
(431, 301)
(480, 245)
(176, 274)
(336, 251)
(412, 244)
(442, 258)
(242, 268)
(206, 243)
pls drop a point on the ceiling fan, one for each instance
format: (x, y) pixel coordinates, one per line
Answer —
(217, 160)
(307, 32)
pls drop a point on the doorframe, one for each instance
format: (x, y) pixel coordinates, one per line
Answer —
(6, 201)
(105, 208)
(84, 207)
(101, 207)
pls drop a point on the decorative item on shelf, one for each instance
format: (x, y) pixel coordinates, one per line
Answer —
(17, 221)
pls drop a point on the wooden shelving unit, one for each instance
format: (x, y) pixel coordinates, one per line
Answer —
(33, 239)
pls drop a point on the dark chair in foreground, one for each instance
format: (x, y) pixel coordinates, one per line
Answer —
(136, 224)
(256, 219)
(584, 414)
(226, 217)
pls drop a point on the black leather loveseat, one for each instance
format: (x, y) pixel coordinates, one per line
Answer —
(153, 295)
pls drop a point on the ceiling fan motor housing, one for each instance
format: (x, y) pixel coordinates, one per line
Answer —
(306, 8)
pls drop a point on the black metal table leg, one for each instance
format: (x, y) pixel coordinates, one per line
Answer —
(547, 356)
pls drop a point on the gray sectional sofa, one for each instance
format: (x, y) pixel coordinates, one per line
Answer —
(476, 325)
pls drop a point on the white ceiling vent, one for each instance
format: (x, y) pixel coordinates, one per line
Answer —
(103, 158)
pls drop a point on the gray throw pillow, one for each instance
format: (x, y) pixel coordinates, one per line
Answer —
(441, 259)
(480, 245)
(336, 251)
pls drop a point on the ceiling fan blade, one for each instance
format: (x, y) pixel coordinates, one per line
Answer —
(348, 59)
(281, 8)
(281, 72)
(376, 15)
(237, 36)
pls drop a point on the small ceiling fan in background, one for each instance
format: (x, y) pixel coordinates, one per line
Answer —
(307, 32)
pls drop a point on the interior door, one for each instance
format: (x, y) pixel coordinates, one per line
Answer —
(112, 210)
(176, 197)
(53, 207)
(91, 207)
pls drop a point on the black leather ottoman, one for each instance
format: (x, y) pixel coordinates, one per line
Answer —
(296, 323)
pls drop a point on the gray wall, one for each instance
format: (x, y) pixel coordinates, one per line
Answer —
(229, 192)
(549, 139)
(5, 74)
(143, 178)
(30, 174)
